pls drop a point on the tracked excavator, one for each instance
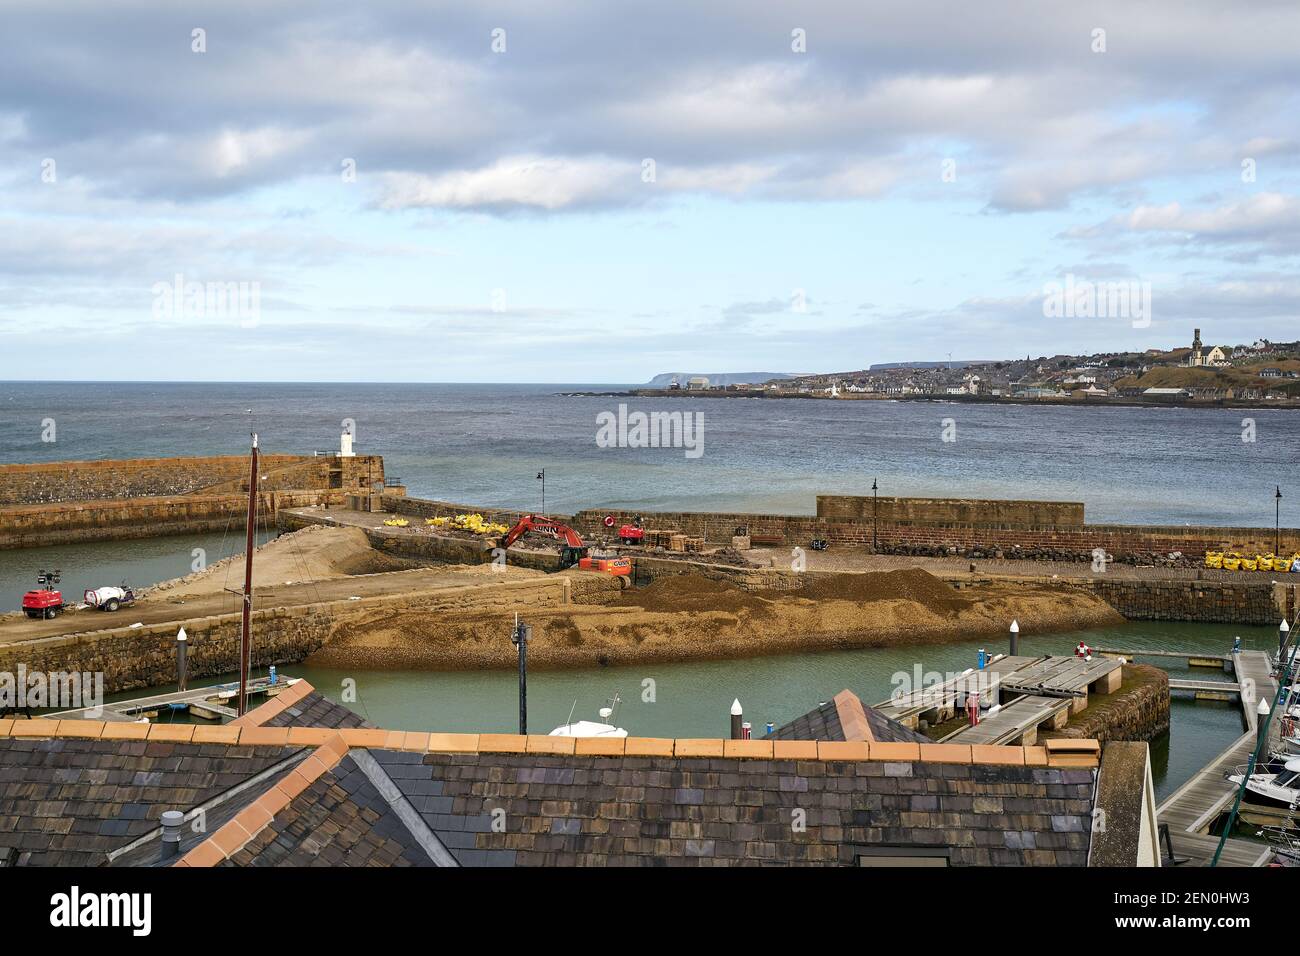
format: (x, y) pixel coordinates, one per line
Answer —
(574, 552)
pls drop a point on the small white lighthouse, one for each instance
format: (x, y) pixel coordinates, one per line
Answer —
(345, 446)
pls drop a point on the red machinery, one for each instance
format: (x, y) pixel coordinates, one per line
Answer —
(573, 552)
(45, 601)
(628, 533)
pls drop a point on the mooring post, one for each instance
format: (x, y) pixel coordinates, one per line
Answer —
(1283, 630)
(737, 720)
(182, 641)
(1015, 637)
(520, 636)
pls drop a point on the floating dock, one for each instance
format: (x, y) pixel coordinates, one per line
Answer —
(1191, 810)
(210, 703)
(1032, 692)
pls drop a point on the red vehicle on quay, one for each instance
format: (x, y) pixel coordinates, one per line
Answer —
(46, 601)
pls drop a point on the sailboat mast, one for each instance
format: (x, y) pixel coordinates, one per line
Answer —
(245, 636)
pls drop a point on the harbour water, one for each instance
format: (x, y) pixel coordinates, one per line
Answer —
(137, 562)
(694, 699)
(485, 444)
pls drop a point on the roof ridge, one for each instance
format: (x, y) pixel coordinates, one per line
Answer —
(853, 716)
(257, 717)
(1065, 752)
(254, 818)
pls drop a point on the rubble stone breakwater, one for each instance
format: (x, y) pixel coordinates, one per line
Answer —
(72, 501)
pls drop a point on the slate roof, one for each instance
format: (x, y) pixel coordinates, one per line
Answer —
(315, 710)
(823, 723)
(568, 810)
(340, 820)
(887, 729)
(303, 796)
(828, 722)
(70, 802)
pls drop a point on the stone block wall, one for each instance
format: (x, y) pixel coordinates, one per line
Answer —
(976, 511)
(1139, 711)
(1204, 601)
(31, 526)
(1057, 543)
(67, 481)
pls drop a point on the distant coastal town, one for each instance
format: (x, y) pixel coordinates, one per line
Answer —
(1261, 372)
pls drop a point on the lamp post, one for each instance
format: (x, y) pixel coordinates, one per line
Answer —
(519, 637)
(875, 516)
(1277, 520)
(541, 476)
(182, 642)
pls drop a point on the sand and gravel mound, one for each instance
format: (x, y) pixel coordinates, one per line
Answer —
(314, 553)
(910, 584)
(691, 592)
(690, 617)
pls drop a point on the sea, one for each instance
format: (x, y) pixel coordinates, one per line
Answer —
(487, 444)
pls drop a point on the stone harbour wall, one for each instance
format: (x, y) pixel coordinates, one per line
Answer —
(1139, 710)
(133, 658)
(1127, 543)
(1002, 512)
(32, 526)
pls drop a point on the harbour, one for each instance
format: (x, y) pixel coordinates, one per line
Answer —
(380, 609)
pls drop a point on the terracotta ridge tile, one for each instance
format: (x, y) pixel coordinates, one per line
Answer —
(853, 717)
(254, 818)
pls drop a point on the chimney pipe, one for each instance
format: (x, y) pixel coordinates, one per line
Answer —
(172, 821)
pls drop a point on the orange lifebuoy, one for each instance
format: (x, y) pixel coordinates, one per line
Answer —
(609, 521)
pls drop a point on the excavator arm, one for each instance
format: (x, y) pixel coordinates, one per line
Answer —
(542, 525)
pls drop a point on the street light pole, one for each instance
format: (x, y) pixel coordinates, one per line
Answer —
(519, 637)
(875, 512)
(1277, 521)
(542, 476)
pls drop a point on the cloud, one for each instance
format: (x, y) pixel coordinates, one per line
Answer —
(1265, 223)
(563, 119)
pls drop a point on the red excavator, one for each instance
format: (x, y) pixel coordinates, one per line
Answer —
(573, 552)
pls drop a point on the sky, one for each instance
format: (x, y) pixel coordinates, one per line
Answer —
(597, 192)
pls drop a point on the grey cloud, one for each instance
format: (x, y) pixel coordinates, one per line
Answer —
(713, 94)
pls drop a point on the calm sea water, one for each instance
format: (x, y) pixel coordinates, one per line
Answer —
(484, 444)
